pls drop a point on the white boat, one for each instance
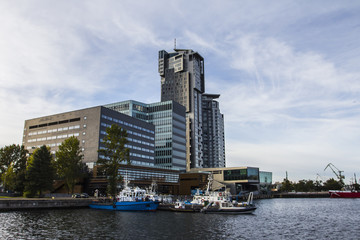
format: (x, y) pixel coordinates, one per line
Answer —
(233, 207)
(181, 206)
(210, 195)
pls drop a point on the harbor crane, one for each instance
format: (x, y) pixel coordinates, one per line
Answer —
(338, 173)
(319, 177)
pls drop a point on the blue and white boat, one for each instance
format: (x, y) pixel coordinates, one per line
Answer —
(129, 199)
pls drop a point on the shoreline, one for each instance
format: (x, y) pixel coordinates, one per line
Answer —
(18, 203)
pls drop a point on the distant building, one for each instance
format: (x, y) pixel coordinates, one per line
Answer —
(265, 177)
(265, 182)
(183, 81)
(213, 132)
(89, 126)
(170, 136)
(238, 179)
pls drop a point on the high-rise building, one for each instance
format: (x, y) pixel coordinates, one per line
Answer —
(170, 136)
(183, 81)
(213, 132)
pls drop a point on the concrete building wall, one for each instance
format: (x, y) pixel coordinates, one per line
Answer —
(213, 132)
(52, 130)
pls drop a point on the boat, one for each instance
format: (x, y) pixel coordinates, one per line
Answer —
(210, 194)
(129, 199)
(351, 191)
(184, 206)
(344, 194)
(230, 207)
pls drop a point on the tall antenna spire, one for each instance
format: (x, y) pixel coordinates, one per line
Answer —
(174, 43)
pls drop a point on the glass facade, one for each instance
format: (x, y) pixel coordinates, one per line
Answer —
(170, 137)
(265, 177)
(241, 174)
(140, 139)
(150, 174)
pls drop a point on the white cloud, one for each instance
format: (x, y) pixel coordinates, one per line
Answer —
(299, 114)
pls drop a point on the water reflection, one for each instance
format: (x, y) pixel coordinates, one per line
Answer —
(274, 219)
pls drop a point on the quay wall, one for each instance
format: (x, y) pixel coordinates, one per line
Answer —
(38, 203)
(302, 195)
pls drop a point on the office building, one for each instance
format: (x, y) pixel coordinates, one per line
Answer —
(89, 126)
(183, 81)
(169, 120)
(213, 132)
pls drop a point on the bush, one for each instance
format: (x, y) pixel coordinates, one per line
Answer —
(29, 194)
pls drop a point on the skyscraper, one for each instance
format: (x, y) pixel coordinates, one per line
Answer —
(183, 81)
(213, 132)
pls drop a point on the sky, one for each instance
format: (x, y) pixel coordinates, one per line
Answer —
(287, 71)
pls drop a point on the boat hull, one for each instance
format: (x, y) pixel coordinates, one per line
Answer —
(344, 194)
(230, 210)
(126, 206)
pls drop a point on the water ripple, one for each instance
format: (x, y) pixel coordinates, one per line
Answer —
(274, 219)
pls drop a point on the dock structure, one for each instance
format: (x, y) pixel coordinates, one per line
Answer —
(7, 204)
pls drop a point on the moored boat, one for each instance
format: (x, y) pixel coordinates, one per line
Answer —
(129, 199)
(229, 207)
(183, 206)
(344, 194)
(126, 206)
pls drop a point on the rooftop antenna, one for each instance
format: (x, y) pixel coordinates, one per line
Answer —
(174, 43)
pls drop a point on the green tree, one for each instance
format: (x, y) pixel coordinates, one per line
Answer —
(113, 154)
(9, 179)
(286, 186)
(318, 185)
(13, 160)
(40, 172)
(68, 162)
(332, 184)
(304, 186)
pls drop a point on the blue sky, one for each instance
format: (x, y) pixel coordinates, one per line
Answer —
(287, 71)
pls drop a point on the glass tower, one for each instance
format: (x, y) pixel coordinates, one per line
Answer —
(169, 120)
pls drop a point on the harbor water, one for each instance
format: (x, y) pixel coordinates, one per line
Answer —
(300, 218)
